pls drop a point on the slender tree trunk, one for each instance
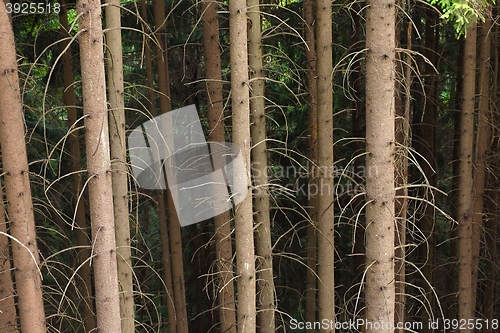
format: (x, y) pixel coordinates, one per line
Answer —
(8, 317)
(99, 167)
(380, 113)
(326, 243)
(482, 145)
(312, 112)
(159, 195)
(174, 225)
(119, 163)
(466, 307)
(87, 304)
(17, 186)
(265, 279)
(245, 253)
(428, 150)
(223, 245)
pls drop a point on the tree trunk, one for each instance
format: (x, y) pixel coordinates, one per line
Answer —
(99, 166)
(8, 317)
(174, 225)
(245, 253)
(265, 279)
(482, 145)
(312, 112)
(326, 242)
(380, 113)
(87, 304)
(119, 164)
(223, 244)
(17, 186)
(466, 306)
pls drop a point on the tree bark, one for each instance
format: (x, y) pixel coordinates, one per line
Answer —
(245, 253)
(223, 244)
(466, 306)
(99, 166)
(15, 171)
(380, 192)
(119, 163)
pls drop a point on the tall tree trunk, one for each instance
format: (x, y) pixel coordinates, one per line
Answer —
(312, 112)
(265, 279)
(119, 163)
(429, 166)
(174, 225)
(17, 185)
(8, 317)
(380, 113)
(466, 307)
(326, 242)
(99, 166)
(481, 148)
(159, 195)
(223, 244)
(87, 304)
(245, 253)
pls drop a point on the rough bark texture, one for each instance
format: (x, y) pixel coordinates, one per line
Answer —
(326, 249)
(380, 113)
(119, 160)
(8, 317)
(86, 304)
(482, 145)
(17, 186)
(312, 114)
(245, 257)
(174, 225)
(265, 279)
(466, 307)
(99, 166)
(223, 244)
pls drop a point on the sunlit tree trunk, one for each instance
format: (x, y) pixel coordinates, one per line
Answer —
(466, 307)
(380, 192)
(265, 279)
(17, 186)
(8, 316)
(245, 253)
(312, 113)
(119, 160)
(174, 225)
(481, 147)
(223, 244)
(99, 166)
(87, 304)
(326, 250)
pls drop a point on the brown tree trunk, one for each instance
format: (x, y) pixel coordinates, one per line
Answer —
(17, 186)
(119, 164)
(380, 113)
(245, 252)
(312, 112)
(99, 166)
(326, 242)
(481, 148)
(174, 225)
(466, 307)
(87, 304)
(265, 279)
(223, 244)
(8, 317)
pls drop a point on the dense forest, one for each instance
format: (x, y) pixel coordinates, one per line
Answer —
(245, 166)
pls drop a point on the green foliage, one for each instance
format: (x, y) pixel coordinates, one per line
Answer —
(462, 13)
